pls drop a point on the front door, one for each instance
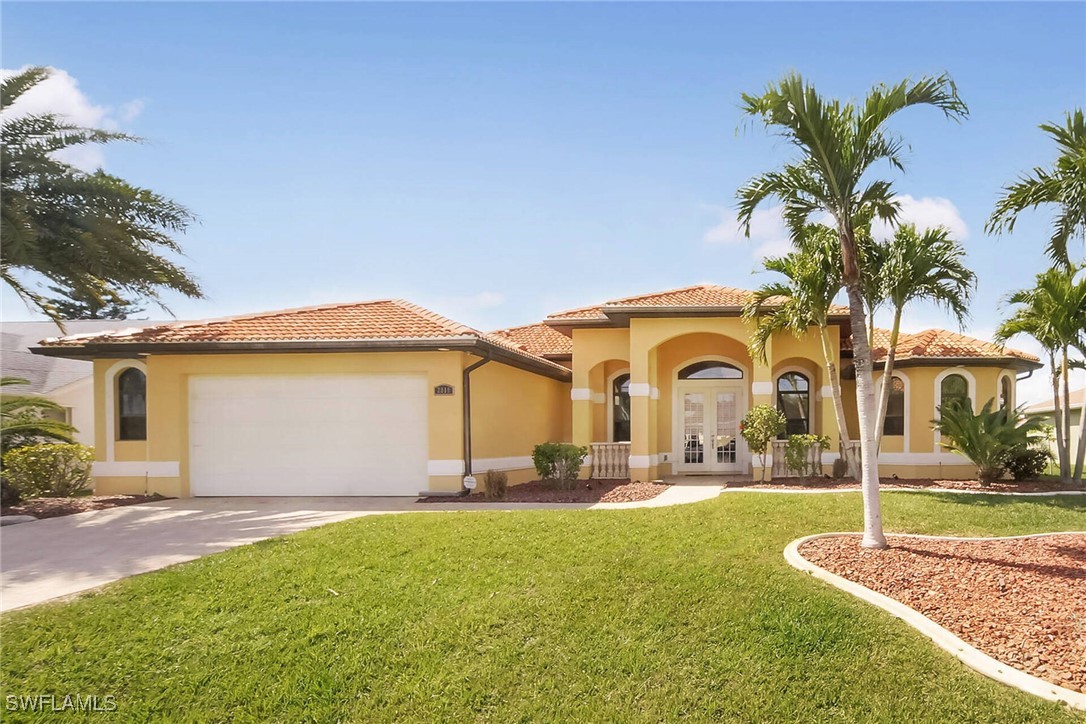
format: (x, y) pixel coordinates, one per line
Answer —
(709, 435)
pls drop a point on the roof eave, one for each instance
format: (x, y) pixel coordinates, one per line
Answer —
(471, 344)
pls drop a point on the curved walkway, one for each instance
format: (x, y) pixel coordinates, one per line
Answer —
(943, 638)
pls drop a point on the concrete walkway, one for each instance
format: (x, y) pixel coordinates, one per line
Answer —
(58, 557)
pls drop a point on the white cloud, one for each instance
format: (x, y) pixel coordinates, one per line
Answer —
(768, 232)
(60, 94)
(926, 213)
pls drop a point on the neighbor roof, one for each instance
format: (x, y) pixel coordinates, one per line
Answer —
(1077, 397)
(384, 324)
(46, 374)
(540, 339)
(937, 344)
(697, 298)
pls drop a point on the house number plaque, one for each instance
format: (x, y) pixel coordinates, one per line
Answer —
(443, 390)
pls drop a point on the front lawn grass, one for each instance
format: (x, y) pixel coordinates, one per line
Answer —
(650, 614)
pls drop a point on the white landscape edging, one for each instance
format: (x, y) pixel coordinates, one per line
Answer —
(812, 491)
(943, 638)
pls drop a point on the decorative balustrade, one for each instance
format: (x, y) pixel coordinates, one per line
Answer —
(780, 467)
(610, 460)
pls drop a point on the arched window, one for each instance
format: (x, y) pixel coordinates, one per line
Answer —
(132, 405)
(1004, 393)
(794, 401)
(620, 409)
(710, 370)
(953, 390)
(895, 409)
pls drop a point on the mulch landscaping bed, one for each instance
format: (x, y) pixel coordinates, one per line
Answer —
(1020, 601)
(56, 507)
(1003, 486)
(587, 491)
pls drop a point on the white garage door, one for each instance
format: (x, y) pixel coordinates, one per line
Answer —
(308, 435)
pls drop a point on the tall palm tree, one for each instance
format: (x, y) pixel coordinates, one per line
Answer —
(839, 144)
(1053, 312)
(920, 266)
(1062, 186)
(90, 233)
(812, 281)
(22, 420)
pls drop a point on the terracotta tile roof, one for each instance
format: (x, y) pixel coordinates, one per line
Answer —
(698, 296)
(386, 319)
(538, 338)
(942, 344)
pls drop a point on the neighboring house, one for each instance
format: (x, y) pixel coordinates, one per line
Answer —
(1048, 411)
(387, 398)
(67, 382)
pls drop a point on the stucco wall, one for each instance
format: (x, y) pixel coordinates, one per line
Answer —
(161, 463)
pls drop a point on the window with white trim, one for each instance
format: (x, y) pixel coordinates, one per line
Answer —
(794, 402)
(895, 408)
(953, 389)
(132, 405)
(620, 409)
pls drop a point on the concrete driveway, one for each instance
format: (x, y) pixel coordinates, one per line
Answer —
(57, 557)
(60, 556)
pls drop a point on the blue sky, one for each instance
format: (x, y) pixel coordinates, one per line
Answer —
(497, 162)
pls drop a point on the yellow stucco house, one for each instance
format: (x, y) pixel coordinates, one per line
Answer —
(388, 398)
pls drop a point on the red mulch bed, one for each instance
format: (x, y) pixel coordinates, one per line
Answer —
(1020, 601)
(1003, 486)
(56, 507)
(587, 491)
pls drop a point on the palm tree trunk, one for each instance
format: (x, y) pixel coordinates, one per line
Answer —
(1061, 448)
(1080, 456)
(1066, 374)
(887, 379)
(865, 408)
(838, 403)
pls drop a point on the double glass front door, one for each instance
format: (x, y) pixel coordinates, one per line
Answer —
(710, 440)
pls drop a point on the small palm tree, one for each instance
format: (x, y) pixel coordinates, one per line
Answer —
(21, 420)
(920, 266)
(1062, 186)
(812, 281)
(839, 144)
(1053, 312)
(988, 437)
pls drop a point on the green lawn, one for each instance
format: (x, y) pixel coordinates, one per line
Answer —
(538, 615)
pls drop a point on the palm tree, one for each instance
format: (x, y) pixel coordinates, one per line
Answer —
(920, 266)
(92, 234)
(839, 144)
(987, 438)
(1062, 186)
(1053, 312)
(21, 419)
(804, 300)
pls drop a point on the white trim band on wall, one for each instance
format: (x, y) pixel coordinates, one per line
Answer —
(826, 392)
(654, 393)
(761, 388)
(640, 461)
(478, 465)
(598, 398)
(640, 389)
(654, 459)
(136, 469)
(580, 393)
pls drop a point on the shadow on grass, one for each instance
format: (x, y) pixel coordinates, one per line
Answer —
(1064, 502)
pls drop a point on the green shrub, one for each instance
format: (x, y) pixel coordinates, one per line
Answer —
(559, 463)
(760, 426)
(798, 457)
(496, 483)
(1029, 462)
(988, 438)
(49, 470)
